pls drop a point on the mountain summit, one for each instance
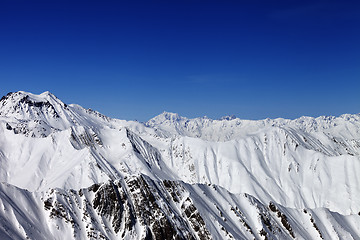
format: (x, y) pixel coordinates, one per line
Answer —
(23, 105)
(73, 173)
(44, 113)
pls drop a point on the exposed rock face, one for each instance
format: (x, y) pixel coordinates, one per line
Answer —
(138, 202)
(141, 208)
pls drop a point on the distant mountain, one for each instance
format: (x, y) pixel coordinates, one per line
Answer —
(72, 173)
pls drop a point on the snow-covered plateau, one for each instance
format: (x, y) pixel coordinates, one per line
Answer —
(72, 173)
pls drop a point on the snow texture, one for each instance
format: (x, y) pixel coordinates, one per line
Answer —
(72, 173)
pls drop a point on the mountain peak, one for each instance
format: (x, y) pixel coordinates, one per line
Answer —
(167, 116)
(23, 105)
(42, 114)
(170, 115)
(14, 97)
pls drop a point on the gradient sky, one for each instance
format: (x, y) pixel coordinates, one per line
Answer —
(136, 59)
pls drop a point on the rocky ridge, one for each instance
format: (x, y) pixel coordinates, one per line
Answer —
(75, 173)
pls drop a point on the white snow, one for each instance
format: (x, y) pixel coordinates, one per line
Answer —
(306, 163)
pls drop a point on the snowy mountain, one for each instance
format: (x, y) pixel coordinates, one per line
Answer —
(72, 173)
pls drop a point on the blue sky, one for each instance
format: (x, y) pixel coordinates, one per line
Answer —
(136, 59)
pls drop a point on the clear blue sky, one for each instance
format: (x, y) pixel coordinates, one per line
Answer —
(136, 59)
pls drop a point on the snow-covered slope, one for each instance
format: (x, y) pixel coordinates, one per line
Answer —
(228, 128)
(85, 175)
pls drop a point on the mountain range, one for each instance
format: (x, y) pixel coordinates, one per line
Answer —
(72, 173)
